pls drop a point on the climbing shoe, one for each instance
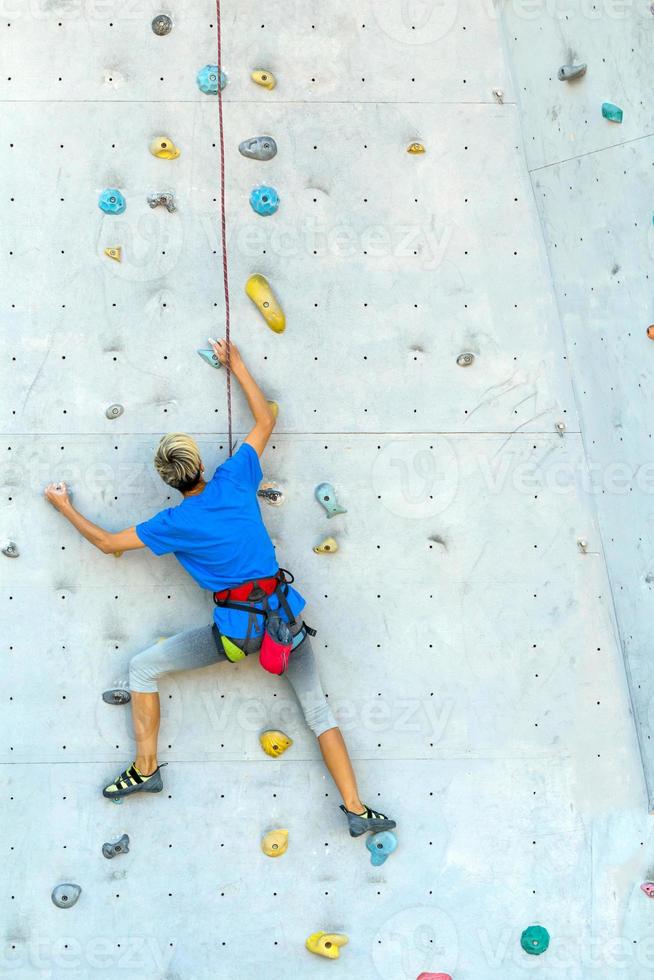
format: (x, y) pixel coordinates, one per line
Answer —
(369, 820)
(133, 781)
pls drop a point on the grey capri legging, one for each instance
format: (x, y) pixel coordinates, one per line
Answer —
(197, 648)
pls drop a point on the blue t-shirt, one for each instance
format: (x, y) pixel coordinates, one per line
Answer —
(220, 539)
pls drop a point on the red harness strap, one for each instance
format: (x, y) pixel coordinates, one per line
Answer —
(240, 593)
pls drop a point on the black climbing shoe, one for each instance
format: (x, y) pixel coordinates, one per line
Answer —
(370, 820)
(133, 781)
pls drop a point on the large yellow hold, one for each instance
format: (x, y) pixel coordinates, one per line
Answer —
(326, 944)
(275, 843)
(274, 743)
(258, 289)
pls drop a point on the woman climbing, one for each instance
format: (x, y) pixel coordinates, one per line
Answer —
(217, 534)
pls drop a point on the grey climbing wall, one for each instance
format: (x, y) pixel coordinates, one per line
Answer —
(591, 181)
(466, 639)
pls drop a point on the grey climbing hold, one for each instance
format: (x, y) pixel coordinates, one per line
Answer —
(326, 495)
(208, 355)
(119, 847)
(258, 148)
(64, 896)
(117, 696)
(165, 199)
(11, 550)
(162, 24)
(567, 73)
(114, 411)
(272, 494)
(465, 359)
(560, 428)
(582, 544)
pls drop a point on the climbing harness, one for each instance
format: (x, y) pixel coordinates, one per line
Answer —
(253, 598)
(223, 232)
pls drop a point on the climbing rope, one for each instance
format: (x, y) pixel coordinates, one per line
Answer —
(223, 225)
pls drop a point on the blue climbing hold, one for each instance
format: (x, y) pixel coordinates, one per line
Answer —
(112, 201)
(380, 846)
(264, 200)
(207, 79)
(208, 355)
(612, 112)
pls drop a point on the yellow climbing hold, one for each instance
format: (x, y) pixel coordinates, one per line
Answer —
(258, 289)
(117, 554)
(274, 743)
(114, 253)
(264, 78)
(164, 148)
(326, 547)
(274, 408)
(326, 944)
(275, 843)
(415, 148)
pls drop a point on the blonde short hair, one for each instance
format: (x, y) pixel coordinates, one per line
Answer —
(177, 461)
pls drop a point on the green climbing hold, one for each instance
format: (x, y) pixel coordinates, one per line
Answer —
(612, 112)
(535, 940)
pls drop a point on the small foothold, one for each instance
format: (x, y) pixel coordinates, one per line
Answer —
(114, 411)
(275, 843)
(258, 289)
(208, 355)
(326, 495)
(612, 112)
(119, 847)
(164, 198)
(274, 408)
(117, 696)
(111, 201)
(162, 24)
(258, 148)
(274, 743)
(326, 547)
(416, 148)
(326, 944)
(114, 253)
(11, 550)
(499, 95)
(582, 545)
(380, 846)
(648, 888)
(271, 493)
(264, 200)
(560, 428)
(117, 554)
(465, 359)
(207, 79)
(567, 73)
(264, 78)
(535, 940)
(64, 896)
(164, 148)
(650, 331)
(434, 976)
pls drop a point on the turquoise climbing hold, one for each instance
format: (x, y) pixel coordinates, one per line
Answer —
(380, 846)
(111, 201)
(326, 495)
(535, 940)
(612, 112)
(264, 200)
(207, 79)
(208, 355)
